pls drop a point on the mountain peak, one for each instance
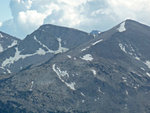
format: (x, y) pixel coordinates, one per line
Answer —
(52, 26)
(7, 41)
(132, 25)
(123, 25)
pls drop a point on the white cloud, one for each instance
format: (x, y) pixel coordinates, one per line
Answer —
(30, 19)
(1, 24)
(86, 15)
(135, 9)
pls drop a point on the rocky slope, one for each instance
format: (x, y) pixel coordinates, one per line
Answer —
(108, 74)
(7, 41)
(40, 46)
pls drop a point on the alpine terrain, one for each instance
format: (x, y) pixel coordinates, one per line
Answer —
(40, 46)
(7, 41)
(63, 70)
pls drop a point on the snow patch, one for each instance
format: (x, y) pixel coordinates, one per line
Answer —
(131, 52)
(95, 100)
(99, 90)
(148, 64)
(97, 42)
(75, 58)
(122, 48)
(1, 48)
(125, 106)
(92, 45)
(13, 43)
(40, 51)
(122, 27)
(126, 92)
(148, 74)
(124, 79)
(137, 58)
(142, 69)
(62, 74)
(71, 85)
(18, 56)
(61, 49)
(8, 71)
(87, 57)
(83, 101)
(93, 71)
(69, 56)
(82, 94)
(85, 48)
(31, 85)
(41, 44)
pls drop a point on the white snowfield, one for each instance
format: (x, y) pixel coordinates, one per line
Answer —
(97, 42)
(69, 56)
(93, 71)
(148, 64)
(85, 48)
(31, 86)
(122, 27)
(99, 90)
(148, 74)
(83, 94)
(1, 48)
(132, 51)
(60, 48)
(87, 57)
(19, 56)
(13, 43)
(137, 58)
(62, 74)
(8, 71)
(15, 58)
(40, 51)
(92, 45)
(122, 47)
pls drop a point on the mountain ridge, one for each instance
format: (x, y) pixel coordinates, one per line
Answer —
(39, 46)
(7, 41)
(109, 73)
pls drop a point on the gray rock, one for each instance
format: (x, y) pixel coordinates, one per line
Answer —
(7, 41)
(40, 46)
(108, 74)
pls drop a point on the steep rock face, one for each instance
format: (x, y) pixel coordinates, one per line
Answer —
(40, 46)
(108, 74)
(7, 41)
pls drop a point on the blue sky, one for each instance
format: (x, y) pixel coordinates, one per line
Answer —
(5, 12)
(22, 17)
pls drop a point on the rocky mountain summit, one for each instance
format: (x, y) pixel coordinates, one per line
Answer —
(40, 46)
